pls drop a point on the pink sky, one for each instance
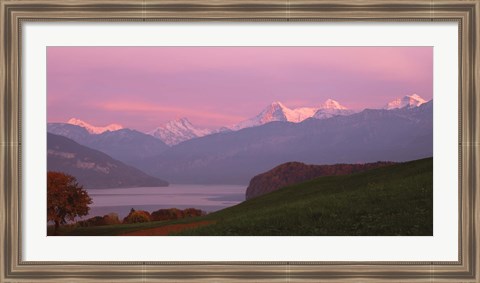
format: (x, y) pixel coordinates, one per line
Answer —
(144, 87)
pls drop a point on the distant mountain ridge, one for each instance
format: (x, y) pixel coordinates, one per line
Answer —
(92, 168)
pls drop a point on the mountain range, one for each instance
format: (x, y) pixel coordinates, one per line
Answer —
(176, 131)
(180, 130)
(235, 157)
(327, 134)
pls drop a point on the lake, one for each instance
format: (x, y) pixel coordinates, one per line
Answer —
(205, 197)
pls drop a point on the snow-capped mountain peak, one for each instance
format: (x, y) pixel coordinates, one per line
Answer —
(94, 129)
(277, 104)
(331, 108)
(179, 123)
(277, 111)
(332, 104)
(409, 101)
(176, 131)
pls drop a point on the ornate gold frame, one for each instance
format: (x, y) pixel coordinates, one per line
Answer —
(13, 13)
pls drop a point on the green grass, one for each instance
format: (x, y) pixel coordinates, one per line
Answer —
(387, 201)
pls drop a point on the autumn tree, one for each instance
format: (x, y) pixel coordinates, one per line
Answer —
(66, 199)
(137, 216)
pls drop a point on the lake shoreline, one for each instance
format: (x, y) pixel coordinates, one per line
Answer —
(209, 198)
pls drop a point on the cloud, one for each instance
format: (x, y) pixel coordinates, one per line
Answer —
(160, 110)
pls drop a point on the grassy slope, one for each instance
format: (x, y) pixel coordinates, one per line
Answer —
(394, 200)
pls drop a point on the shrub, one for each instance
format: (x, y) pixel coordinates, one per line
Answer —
(111, 219)
(167, 214)
(137, 216)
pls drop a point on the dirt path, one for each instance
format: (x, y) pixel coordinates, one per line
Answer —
(166, 230)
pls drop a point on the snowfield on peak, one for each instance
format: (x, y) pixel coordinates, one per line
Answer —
(93, 129)
(277, 111)
(409, 101)
(332, 104)
(177, 131)
(331, 108)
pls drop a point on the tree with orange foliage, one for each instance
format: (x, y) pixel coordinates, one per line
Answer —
(66, 199)
(137, 216)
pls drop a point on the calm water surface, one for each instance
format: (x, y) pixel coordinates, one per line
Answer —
(205, 197)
